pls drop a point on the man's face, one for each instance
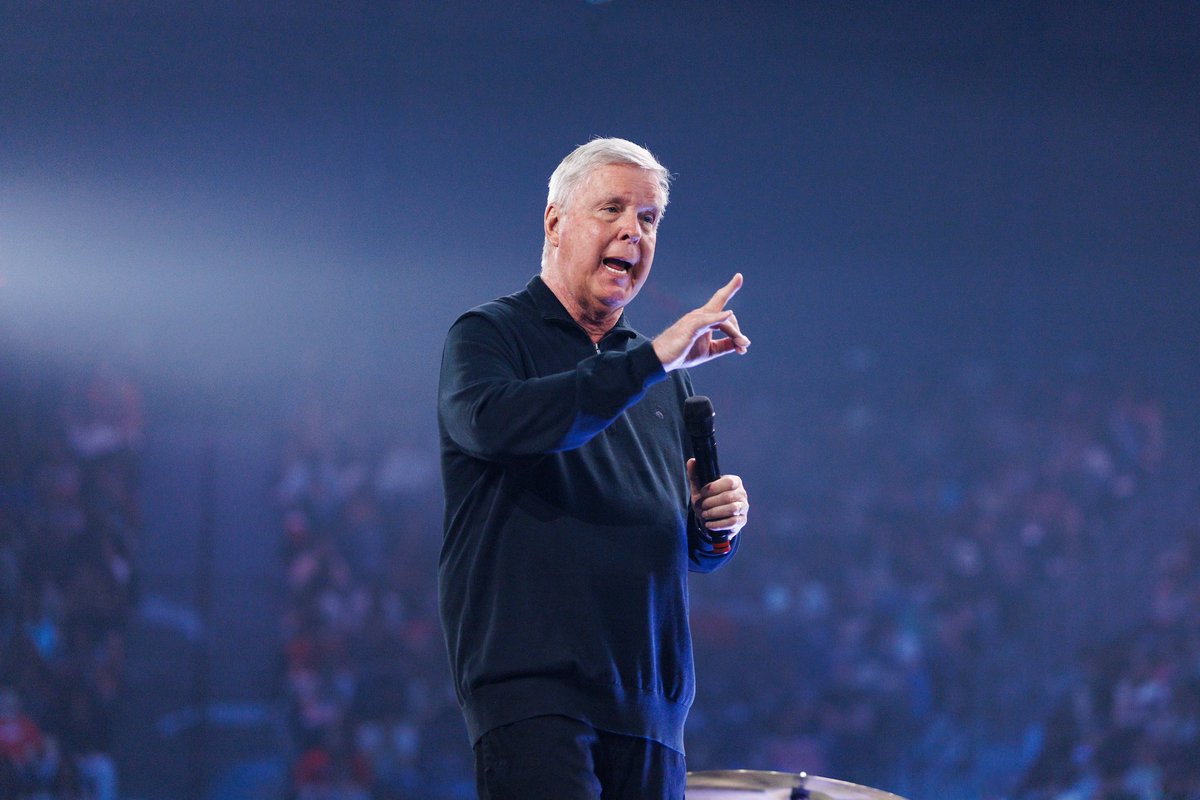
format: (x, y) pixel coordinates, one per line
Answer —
(605, 237)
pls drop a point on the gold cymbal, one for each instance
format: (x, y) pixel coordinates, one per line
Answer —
(744, 784)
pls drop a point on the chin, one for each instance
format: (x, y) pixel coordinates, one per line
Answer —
(619, 299)
(614, 297)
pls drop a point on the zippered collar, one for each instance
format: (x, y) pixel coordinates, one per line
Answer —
(553, 310)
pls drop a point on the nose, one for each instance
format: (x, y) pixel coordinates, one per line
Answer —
(631, 229)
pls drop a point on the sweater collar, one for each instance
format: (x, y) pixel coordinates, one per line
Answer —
(552, 308)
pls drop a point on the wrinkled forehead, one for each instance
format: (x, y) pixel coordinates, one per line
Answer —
(621, 181)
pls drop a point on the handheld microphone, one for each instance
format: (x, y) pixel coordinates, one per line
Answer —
(698, 420)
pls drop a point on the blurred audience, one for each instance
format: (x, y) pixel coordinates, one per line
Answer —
(954, 579)
(69, 517)
(944, 551)
(969, 584)
(364, 671)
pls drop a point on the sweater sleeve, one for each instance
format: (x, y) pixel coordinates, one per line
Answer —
(701, 555)
(493, 411)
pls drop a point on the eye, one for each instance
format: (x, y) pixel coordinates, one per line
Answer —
(648, 217)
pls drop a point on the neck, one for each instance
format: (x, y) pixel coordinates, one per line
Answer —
(595, 321)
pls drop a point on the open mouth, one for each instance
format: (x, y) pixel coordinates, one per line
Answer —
(617, 265)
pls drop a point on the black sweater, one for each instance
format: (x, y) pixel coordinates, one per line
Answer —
(568, 531)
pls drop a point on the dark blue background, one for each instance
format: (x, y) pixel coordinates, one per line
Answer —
(234, 183)
(223, 194)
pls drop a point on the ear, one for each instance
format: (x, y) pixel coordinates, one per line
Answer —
(551, 222)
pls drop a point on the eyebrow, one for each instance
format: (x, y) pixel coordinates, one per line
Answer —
(618, 200)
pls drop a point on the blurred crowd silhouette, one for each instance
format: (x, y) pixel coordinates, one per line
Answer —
(370, 708)
(963, 582)
(69, 521)
(972, 576)
(968, 582)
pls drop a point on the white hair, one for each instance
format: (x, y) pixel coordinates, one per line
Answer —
(574, 169)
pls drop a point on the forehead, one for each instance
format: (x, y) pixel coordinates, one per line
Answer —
(621, 182)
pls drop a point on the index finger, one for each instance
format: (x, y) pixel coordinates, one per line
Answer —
(725, 293)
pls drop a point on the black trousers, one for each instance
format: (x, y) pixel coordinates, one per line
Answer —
(559, 758)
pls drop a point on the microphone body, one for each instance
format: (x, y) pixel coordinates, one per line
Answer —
(698, 420)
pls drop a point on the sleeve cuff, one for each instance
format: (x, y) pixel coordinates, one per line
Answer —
(646, 364)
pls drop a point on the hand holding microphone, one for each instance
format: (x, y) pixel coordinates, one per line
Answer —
(719, 502)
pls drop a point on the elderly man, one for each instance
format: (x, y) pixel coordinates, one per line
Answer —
(572, 510)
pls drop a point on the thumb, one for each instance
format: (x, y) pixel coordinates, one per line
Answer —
(691, 473)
